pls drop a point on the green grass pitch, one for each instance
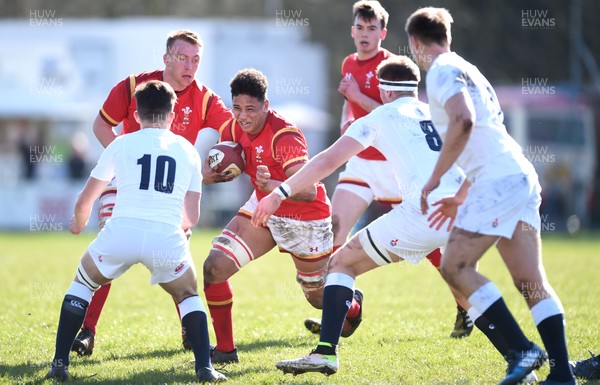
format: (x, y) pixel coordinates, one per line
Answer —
(408, 315)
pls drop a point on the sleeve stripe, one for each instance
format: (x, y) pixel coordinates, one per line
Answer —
(280, 132)
(295, 160)
(107, 118)
(131, 86)
(205, 104)
(223, 126)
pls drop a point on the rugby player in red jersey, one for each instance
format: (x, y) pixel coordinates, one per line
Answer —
(197, 107)
(274, 149)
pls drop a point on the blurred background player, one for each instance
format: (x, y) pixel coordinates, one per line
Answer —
(274, 149)
(160, 184)
(367, 175)
(197, 108)
(401, 129)
(502, 205)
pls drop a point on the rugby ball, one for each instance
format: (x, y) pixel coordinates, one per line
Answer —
(227, 156)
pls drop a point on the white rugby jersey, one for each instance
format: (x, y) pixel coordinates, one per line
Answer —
(403, 132)
(153, 169)
(490, 151)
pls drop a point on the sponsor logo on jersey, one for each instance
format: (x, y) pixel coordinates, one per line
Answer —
(178, 268)
(99, 258)
(394, 242)
(314, 249)
(495, 223)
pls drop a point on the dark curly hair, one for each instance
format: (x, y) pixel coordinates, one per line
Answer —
(251, 82)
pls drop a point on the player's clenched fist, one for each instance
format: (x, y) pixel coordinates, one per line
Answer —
(263, 176)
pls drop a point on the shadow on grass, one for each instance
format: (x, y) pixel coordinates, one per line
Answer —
(178, 374)
(257, 345)
(32, 373)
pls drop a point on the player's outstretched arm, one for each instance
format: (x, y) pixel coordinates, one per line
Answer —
(322, 165)
(83, 206)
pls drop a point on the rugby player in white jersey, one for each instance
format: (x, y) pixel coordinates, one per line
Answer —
(502, 204)
(401, 129)
(159, 179)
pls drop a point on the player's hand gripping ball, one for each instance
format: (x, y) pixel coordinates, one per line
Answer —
(227, 156)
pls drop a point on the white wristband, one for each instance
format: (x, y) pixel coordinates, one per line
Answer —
(283, 191)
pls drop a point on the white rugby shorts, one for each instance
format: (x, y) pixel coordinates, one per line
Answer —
(123, 242)
(370, 180)
(403, 231)
(495, 206)
(306, 239)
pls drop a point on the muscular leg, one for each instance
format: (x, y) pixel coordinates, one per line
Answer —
(221, 264)
(459, 263)
(523, 257)
(85, 341)
(346, 208)
(74, 307)
(346, 264)
(463, 325)
(311, 277)
(193, 316)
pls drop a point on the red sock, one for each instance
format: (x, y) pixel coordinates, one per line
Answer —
(219, 297)
(354, 309)
(95, 308)
(435, 257)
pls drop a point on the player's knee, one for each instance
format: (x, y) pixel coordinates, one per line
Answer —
(312, 284)
(315, 298)
(451, 271)
(217, 267)
(229, 253)
(85, 279)
(212, 269)
(338, 262)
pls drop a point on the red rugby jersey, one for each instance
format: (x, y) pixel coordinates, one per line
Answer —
(278, 146)
(365, 73)
(196, 107)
